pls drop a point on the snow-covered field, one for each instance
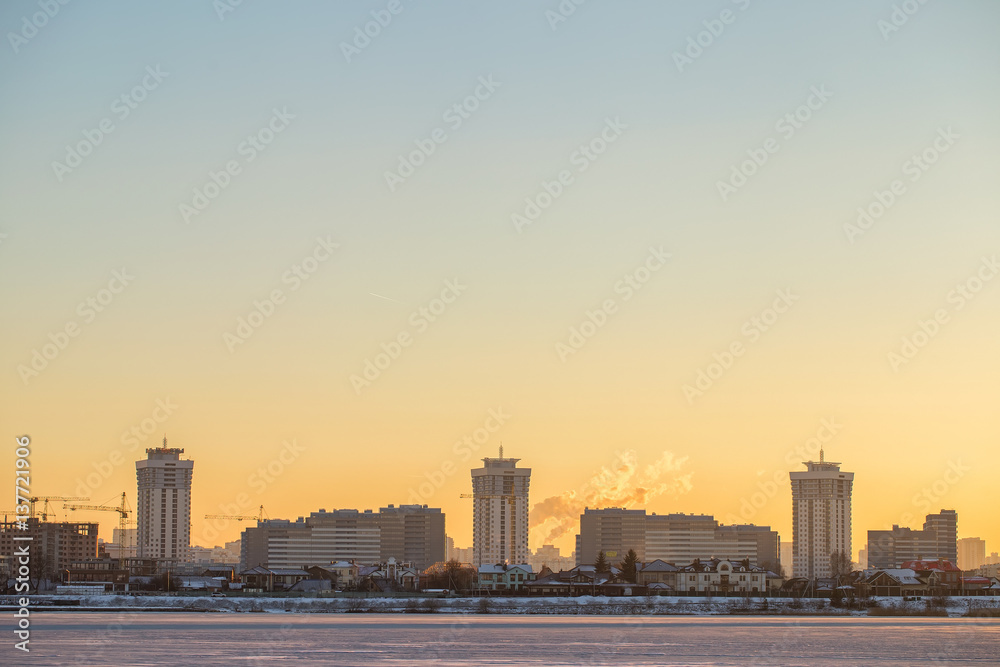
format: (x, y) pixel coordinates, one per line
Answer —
(584, 605)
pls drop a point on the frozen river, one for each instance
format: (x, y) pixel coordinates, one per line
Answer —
(137, 638)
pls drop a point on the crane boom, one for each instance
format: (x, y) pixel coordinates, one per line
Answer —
(123, 512)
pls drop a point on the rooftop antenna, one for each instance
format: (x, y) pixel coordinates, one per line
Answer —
(821, 453)
(501, 449)
(164, 440)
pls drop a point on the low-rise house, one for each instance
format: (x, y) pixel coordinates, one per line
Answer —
(207, 584)
(263, 579)
(388, 577)
(347, 574)
(896, 582)
(658, 572)
(581, 580)
(312, 586)
(504, 577)
(721, 577)
(941, 576)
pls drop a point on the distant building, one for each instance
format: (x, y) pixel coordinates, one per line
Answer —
(971, 553)
(821, 517)
(407, 533)
(500, 511)
(673, 538)
(114, 548)
(549, 556)
(53, 546)
(890, 548)
(164, 511)
(230, 554)
(788, 558)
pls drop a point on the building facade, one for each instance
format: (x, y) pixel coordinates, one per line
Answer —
(673, 538)
(500, 512)
(407, 533)
(938, 540)
(721, 577)
(821, 517)
(614, 531)
(164, 511)
(53, 545)
(971, 553)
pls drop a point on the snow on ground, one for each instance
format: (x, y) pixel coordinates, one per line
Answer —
(584, 605)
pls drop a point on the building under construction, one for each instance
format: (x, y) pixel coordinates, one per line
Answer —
(54, 545)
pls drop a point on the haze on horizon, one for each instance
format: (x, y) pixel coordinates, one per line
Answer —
(570, 332)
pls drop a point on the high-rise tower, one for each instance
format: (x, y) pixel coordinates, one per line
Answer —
(821, 517)
(164, 527)
(500, 511)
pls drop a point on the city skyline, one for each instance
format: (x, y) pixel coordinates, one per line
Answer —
(217, 531)
(589, 237)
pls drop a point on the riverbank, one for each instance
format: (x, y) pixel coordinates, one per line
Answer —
(578, 606)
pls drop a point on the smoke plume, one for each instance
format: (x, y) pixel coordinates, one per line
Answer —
(625, 484)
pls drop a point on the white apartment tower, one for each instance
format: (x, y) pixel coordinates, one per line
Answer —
(821, 517)
(164, 527)
(500, 512)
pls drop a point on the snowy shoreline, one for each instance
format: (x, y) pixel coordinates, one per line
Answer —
(577, 606)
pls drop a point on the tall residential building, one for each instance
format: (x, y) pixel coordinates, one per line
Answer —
(938, 540)
(944, 527)
(164, 525)
(971, 553)
(614, 531)
(500, 512)
(409, 533)
(674, 538)
(821, 517)
(412, 534)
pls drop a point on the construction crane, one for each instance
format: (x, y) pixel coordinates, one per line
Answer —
(46, 509)
(123, 512)
(260, 516)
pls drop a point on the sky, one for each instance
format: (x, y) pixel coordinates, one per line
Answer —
(660, 251)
